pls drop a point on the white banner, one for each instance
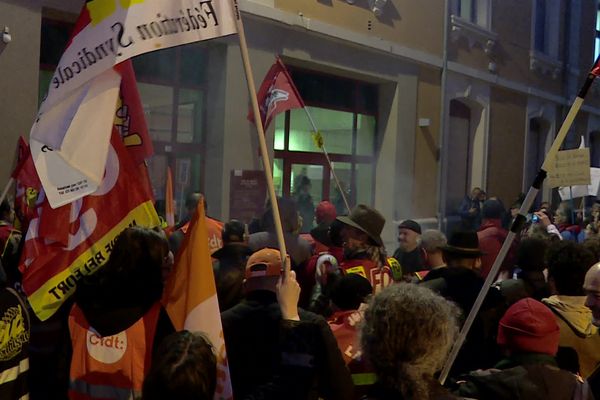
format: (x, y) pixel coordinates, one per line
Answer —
(122, 29)
(582, 190)
(76, 118)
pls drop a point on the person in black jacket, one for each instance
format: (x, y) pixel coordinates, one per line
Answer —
(259, 357)
(230, 263)
(460, 282)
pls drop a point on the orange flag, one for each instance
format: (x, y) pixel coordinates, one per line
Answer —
(169, 204)
(190, 296)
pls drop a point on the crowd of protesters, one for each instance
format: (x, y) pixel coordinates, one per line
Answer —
(349, 321)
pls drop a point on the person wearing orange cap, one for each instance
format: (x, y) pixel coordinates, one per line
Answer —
(257, 357)
(529, 335)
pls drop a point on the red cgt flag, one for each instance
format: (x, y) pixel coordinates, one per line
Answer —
(64, 244)
(277, 94)
(129, 118)
(24, 172)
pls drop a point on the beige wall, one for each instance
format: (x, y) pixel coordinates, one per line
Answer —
(414, 24)
(427, 145)
(511, 52)
(506, 143)
(19, 65)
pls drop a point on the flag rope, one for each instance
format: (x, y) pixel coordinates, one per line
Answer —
(322, 146)
(6, 188)
(520, 220)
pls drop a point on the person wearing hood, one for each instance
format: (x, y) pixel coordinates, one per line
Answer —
(298, 248)
(230, 264)
(568, 263)
(117, 321)
(529, 335)
(491, 236)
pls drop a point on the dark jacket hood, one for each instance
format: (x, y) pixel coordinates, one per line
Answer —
(114, 312)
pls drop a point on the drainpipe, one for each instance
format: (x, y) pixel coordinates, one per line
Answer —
(442, 152)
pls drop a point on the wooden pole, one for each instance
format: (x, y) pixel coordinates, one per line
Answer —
(261, 136)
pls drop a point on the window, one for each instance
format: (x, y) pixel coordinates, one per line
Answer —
(171, 83)
(345, 112)
(172, 89)
(53, 41)
(545, 20)
(477, 12)
(467, 9)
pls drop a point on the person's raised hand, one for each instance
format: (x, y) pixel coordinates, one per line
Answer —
(544, 220)
(288, 294)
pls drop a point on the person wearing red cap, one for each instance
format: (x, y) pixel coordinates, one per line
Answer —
(258, 358)
(529, 335)
(325, 214)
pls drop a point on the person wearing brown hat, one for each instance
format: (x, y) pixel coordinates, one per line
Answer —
(409, 253)
(529, 335)
(364, 252)
(257, 358)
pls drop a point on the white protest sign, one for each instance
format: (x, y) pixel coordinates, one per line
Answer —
(582, 190)
(570, 168)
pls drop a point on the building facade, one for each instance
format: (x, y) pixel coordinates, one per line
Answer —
(417, 102)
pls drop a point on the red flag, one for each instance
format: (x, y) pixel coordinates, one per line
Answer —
(129, 118)
(24, 172)
(277, 94)
(64, 244)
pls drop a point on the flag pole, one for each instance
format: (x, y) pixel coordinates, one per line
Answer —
(261, 135)
(521, 219)
(6, 189)
(322, 146)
